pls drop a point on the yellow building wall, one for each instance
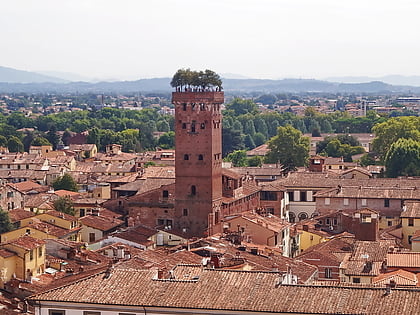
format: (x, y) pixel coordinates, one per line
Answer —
(24, 263)
(7, 269)
(55, 220)
(409, 230)
(308, 239)
(383, 222)
(12, 235)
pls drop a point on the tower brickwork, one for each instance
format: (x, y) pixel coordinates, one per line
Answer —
(198, 161)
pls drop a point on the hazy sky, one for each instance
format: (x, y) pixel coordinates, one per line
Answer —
(130, 39)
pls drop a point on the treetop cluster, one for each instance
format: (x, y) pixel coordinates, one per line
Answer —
(188, 80)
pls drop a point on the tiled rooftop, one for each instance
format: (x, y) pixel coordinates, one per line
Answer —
(26, 242)
(412, 209)
(231, 290)
(100, 223)
(401, 260)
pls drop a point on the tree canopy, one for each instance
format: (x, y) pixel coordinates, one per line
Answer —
(388, 132)
(403, 158)
(196, 80)
(65, 182)
(65, 205)
(5, 224)
(288, 148)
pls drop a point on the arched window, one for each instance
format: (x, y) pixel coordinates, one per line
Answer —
(302, 216)
(292, 217)
(200, 157)
(184, 106)
(186, 157)
(193, 127)
(193, 190)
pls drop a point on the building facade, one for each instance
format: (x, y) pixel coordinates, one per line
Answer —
(198, 162)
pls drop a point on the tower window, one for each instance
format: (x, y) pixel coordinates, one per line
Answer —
(184, 106)
(184, 126)
(202, 106)
(193, 190)
(186, 157)
(200, 157)
(185, 212)
(193, 127)
(192, 106)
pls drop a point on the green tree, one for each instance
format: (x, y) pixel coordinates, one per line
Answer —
(167, 140)
(249, 142)
(65, 182)
(231, 141)
(14, 144)
(388, 132)
(288, 148)
(53, 137)
(259, 139)
(162, 125)
(64, 204)
(242, 106)
(39, 141)
(255, 161)
(3, 141)
(5, 224)
(238, 158)
(403, 158)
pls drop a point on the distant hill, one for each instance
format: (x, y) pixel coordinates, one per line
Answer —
(12, 80)
(67, 76)
(10, 75)
(413, 80)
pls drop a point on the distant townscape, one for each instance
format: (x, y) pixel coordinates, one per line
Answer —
(204, 195)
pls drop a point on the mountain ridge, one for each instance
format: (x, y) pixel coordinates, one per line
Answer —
(234, 85)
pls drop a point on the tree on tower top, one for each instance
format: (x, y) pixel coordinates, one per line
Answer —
(196, 81)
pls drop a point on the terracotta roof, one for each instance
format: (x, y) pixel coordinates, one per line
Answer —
(401, 278)
(40, 200)
(406, 260)
(230, 291)
(412, 209)
(64, 193)
(138, 234)
(61, 215)
(270, 222)
(100, 223)
(5, 253)
(28, 186)
(357, 169)
(231, 173)
(260, 150)
(26, 242)
(20, 214)
(370, 192)
(159, 172)
(269, 260)
(324, 180)
(50, 229)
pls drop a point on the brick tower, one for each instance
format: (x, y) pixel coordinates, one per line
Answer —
(198, 161)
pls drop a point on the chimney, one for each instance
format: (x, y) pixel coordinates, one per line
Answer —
(388, 289)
